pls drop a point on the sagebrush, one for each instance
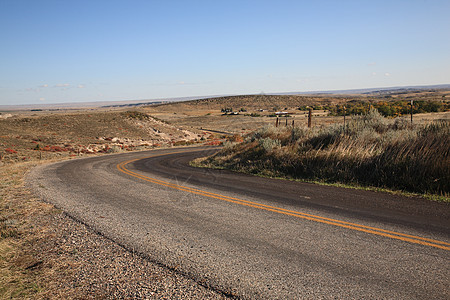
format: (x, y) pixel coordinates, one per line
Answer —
(370, 150)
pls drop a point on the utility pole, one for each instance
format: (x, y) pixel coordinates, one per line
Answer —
(412, 111)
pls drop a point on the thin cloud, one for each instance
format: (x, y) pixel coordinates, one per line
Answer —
(372, 64)
(182, 82)
(80, 86)
(62, 85)
(33, 90)
(387, 74)
(178, 83)
(43, 86)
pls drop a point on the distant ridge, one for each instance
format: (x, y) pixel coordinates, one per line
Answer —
(96, 104)
(136, 103)
(370, 90)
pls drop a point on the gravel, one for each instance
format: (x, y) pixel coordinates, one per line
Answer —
(78, 263)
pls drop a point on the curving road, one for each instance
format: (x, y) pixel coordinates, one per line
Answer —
(256, 237)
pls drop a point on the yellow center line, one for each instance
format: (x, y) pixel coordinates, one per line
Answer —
(358, 227)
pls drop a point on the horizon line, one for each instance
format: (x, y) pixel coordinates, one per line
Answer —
(103, 103)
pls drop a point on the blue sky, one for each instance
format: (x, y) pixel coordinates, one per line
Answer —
(76, 51)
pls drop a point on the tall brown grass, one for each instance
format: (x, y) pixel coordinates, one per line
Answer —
(370, 151)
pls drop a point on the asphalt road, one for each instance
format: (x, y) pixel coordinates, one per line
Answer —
(256, 237)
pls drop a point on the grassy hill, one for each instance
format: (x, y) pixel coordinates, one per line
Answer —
(250, 102)
(279, 102)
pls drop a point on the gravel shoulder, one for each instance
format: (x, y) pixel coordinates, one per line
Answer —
(46, 254)
(98, 267)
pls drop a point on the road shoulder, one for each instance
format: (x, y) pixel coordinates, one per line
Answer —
(47, 254)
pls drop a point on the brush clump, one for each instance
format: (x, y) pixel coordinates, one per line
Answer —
(370, 150)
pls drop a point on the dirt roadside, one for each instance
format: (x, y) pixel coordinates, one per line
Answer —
(45, 254)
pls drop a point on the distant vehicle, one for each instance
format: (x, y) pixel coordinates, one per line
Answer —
(282, 113)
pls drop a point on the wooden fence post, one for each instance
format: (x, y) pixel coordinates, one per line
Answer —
(309, 117)
(345, 112)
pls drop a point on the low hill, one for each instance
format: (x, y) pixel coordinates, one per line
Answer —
(249, 102)
(51, 135)
(280, 102)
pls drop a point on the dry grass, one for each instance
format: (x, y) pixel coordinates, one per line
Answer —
(369, 151)
(20, 269)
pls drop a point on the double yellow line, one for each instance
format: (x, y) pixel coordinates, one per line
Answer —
(358, 227)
